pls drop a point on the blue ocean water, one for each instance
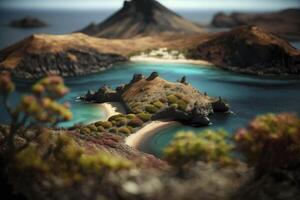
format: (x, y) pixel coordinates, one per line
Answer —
(247, 95)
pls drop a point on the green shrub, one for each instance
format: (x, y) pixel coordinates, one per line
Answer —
(92, 127)
(135, 122)
(174, 105)
(270, 141)
(124, 130)
(179, 96)
(158, 104)
(186, 100)
(101, 129)
(115, 117)
(207, 146)
(136, 110)
(172, 99)
(130, 116)
(130, 128)
(104, 124)
(163, 100)
(113, 130)
(121, 121)
(144, 116)
(151, 109)
(85, 131)
(181, 105)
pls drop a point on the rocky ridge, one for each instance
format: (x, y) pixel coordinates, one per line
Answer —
(72, 55)
(249, 49)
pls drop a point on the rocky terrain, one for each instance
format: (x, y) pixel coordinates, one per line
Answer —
(27, 22)
(141, 18)
(285, 24)
(249, 49)
(156, 99)
(69, 55)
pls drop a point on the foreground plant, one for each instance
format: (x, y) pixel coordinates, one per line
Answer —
(270, 141)
(59, 156)
(33, 113)
(207, 146)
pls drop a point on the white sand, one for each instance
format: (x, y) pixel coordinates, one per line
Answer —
(112, 108)
(180, 61)
(136, 139)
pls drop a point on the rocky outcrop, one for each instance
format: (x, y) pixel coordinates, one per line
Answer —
(104, 94)
(28, 22)
(249, 49)
(162, 99)
(220, 105)
(68, 55)
(141, 17)
(287, 22)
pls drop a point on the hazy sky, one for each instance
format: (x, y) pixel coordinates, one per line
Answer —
(175, 4)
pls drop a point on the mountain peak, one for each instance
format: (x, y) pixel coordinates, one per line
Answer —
(140, 18)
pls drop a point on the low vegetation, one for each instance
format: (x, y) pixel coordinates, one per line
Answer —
(207, 146)
(270, 141)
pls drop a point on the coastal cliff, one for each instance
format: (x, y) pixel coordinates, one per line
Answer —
(249, 49)
(65, 55)
(141, 18)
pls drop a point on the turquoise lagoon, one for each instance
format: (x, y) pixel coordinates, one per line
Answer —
(247, 95)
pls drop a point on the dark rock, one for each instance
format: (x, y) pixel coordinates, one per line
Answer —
(183, 80)
(136, 78)
(28, 22)
(171, 114)
(288, 27)
(141, 17)
(88, 61)
(222, 20)
(199, 115)
(220, 106)
(121, 89)
(249, 49)
(152, 76)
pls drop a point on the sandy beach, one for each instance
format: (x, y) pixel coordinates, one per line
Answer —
(180, 61)
(136, 139)
(112, 108)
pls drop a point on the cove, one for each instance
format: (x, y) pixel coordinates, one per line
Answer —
(247, 95)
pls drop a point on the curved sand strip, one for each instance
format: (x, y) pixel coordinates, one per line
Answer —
(136, 139)
(112, 108)
(179, 61)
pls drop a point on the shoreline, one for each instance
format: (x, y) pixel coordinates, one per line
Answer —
(136, 139)
(179, 61)
(111, 109)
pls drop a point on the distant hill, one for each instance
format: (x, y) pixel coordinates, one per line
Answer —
(249, 49)
(28, 22)
(141, 18)
(285, 23)
(65, 55)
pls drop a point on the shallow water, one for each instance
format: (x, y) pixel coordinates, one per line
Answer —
(247, 95)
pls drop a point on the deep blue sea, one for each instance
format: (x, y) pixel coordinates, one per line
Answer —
(248, 95)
